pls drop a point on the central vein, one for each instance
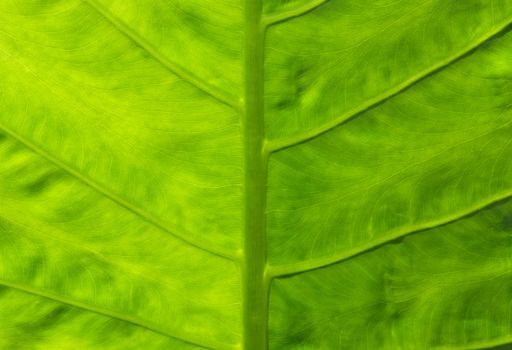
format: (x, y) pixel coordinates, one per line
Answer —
(255, 286)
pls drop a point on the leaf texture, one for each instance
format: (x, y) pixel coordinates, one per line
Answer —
(434, 152)
(444, 288)
(255, 174)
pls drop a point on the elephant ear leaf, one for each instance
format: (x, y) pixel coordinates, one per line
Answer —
(253, 174)
(388, 220)
(120, 175)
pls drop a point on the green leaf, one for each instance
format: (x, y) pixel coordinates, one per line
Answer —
(253, 174)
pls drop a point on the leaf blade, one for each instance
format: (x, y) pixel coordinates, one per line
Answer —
(403, 164)
(89, 120)
(352, 52)
(86, 250)
(187, 32)
(446, 288)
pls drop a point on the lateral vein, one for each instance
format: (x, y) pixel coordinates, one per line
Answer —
(490, 344)
(297, 268)
(296, 12)
(205, 246)
(285, 142)
(111, 314)
(173, 67)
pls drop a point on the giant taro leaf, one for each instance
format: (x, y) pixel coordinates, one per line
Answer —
(253, 174)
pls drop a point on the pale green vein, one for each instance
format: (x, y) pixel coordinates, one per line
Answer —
(187, 238)
(183, 73)
(115, 315)
(295, 12)
(56, 235)
(297, 268)
(490, 344)
(254, 281)
(285, 142)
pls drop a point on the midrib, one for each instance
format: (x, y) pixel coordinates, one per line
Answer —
(254, 281)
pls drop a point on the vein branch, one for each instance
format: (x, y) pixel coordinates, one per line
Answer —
(297, 268)
(482, 345)
(183, 236)
(114, 315)
(183, 73)
(285, 142)
(295, 12)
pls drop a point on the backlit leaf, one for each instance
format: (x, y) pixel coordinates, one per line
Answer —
(255, 174)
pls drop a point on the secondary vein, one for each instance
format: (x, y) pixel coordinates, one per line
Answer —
(187, 238)
(183, 73)
(297, 268)
(482, 345)
(295, 12)
(115, 315)
(285, 142)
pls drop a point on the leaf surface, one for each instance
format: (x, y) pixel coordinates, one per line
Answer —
(253, 174)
